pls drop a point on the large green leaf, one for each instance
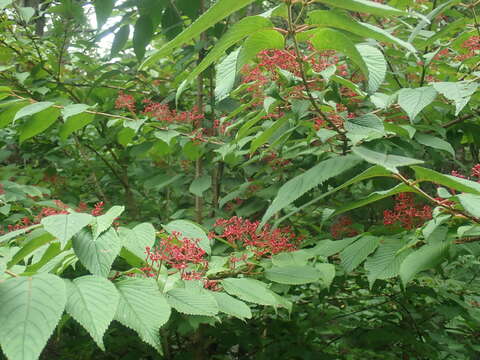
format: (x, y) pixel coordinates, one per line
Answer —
(237, 32)
(339, 21)
(389, 162)
(7, 115)
(143, 308)
(103, 10)
(463, 185)
(103, 222)
(368, 126)
(92, 301)
(137, 239)
(190, 230)
(38, 123)
(30, 308)
(226, 75)
(258, 41)
(471, 203)
(97, 255)
(32, 109)
(459, 92)
(303, 183)
(265, 135)
(328, 248)
(363, 6)
(220, 10)
(415, 100)
(292, 275)
(330, 39)
(200, 185)
(121, 38)
(376, 65)
(250, 290)
(74, 123)
(231, 306)
(385, 263)
(327, 273)
(192, 300)
(427, 257)
(33, 241)
(354, 254)
(142, 35)
(435, 142)
(64, 226)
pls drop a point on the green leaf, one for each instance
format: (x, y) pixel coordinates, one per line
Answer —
(471, 203)
(200, 185)
(97, 255)
(389, 162)
(120, 40)
(33, 241)
(32, 109)
(7, 115)
(225, 75)
(15, 233)
(92, 301)
(376, 65)
(220, 10)
(74, 109)
(413, 101)
(137, 239)
(427, 257)
(328, 248)
(258, 41)
(368, 126)
(264, 136)
(250, 290)
(192, 300)
(103, 222)
(103, 10)
(64, 226)
(435, 142)
(30, 308)
(143, 308)
(190, 230)
(303, 183)
(231, 306)
(354, 254)
(363, 6)
(385, 263)
(459, 92)
(39, 122)
(235, 33)
(142, 35)
(339, 21)
(74, 123)
(292, 275)
(463, 185)
(330, 39)
(5, 3)
(26, 13)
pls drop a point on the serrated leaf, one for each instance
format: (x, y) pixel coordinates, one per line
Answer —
(292, 275)
(327, 273)
(363, 6)
(265, 135)
(225, 75)
(217, 12)
(250, 290)
(354, 254)
(103, 222)
(435, 142)
(189, 230)
(368, 126)
(32, 109)
(192, 300)
(137, 239)
(389, 162)
(385, 263)
(97, 255)
(143, 308)
(427, 257)
(231, 306)
(376, 65)
(30, 308)
(38, 123)
(330, 39)
(339, 21)
(200, 185)
(459, 92)
(413, 101)
(303, 183)
(64, 226)
(92, 301)
(328, 248)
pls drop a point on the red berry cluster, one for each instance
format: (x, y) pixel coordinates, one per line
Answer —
(125, 101)
(472, 44)
(406, 212)
(474, 173)
(243, 233)
(343, 228)
(162, 112)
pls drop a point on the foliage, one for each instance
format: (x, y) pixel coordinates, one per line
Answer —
(239, 179)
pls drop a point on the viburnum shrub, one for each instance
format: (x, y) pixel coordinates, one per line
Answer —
(283, 163)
